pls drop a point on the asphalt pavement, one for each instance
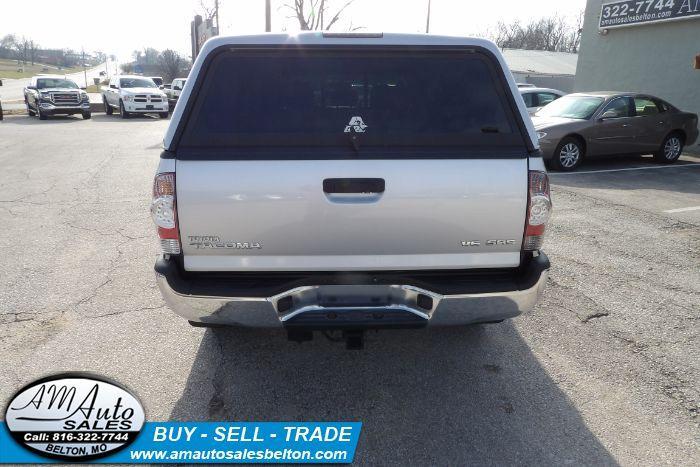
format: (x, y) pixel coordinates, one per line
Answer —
(604, 371)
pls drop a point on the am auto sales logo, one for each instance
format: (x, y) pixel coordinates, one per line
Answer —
(74, 416)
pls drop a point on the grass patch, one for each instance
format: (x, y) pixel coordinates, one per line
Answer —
(10, 70)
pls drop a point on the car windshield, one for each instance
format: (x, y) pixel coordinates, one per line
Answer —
(136, 83)
(579, 107)
(45, 83)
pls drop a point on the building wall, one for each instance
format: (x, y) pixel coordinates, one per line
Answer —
(561, 82)
(653, 58)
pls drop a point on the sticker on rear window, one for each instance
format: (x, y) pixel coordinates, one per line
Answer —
(356, 124)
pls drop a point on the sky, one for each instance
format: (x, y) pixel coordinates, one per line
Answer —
(123, 26)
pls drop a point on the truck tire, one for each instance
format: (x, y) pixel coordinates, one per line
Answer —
(123, 113)
(163, 114)
(87, 115)
(42, 115)
(108, 108)
(30, 112)
(670, 150)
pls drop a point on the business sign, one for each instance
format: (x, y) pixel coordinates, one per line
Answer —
(200, 32)
(74, 417)
(85, 418)
(633, 12)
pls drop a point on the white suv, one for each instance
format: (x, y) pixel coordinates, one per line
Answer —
(134, 94)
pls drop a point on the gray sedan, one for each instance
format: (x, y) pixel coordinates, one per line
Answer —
(609, 123)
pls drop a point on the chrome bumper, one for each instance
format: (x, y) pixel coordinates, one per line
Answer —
(320, 306)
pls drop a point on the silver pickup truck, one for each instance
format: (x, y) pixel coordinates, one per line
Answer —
(350, 181)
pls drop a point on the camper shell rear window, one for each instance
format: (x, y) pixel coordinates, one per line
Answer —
(356, 102)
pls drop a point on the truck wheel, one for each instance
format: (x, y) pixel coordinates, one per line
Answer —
(122, 112)
(87, 115)
(163, 114)
(568, 155)
(42, 115)
(108, 108)
(670, 150)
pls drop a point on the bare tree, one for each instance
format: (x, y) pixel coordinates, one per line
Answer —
(100, 56)
(574, 39)
(171, 64)
(147, 56)
(8, 41)
(208, 8)
(22, 50)
(553, 33)
(32, 50)
(316, 14)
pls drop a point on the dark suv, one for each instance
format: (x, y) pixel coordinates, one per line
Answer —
(55, 95)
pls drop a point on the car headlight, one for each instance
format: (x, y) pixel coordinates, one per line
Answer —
(541, 134)
(46, 95)
(128, 98)
(84, 96)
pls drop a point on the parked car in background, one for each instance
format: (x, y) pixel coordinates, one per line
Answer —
(48, 95)
(536, 98)
(132, 94)
(525, 85)
(598, 124)
(175, 88)
(307, 185)
(158, 80)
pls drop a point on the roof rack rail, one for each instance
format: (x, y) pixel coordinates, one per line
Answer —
(353, 35)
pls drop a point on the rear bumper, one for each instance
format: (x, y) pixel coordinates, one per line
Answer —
(352, 303)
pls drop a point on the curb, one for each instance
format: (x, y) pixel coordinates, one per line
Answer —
(94, 108)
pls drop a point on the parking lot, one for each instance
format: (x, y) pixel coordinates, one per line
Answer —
(604, 371)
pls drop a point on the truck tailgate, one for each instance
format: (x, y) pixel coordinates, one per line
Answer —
(274, 215)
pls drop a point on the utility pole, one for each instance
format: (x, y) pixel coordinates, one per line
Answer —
(84, 70)
(427, 21)
(268, 21)
(216, 9)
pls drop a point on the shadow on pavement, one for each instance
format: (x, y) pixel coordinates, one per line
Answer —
(27, 120)
(446, 396)
(133, 118)
(670, 177)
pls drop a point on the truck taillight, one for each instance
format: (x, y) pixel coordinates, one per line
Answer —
(539, 208)
(164, 212)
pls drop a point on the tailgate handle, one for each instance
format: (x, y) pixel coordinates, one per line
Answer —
(353, 185)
